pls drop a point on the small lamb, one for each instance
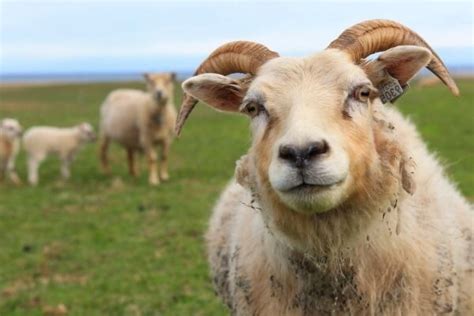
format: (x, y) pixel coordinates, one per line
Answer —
(41, 141)
(10, 133)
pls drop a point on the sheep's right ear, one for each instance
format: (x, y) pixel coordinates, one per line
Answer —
(146, 76)
(220, 92)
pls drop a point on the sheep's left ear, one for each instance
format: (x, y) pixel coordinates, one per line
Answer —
(401, 63)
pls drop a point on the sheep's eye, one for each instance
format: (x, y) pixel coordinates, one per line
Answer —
(253, 109)
(361, 93)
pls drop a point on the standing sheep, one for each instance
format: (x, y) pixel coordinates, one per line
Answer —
(138, 121)
(41, 141)
(338, 208)
(10, 133)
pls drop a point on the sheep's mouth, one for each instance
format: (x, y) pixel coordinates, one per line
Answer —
(305, 187)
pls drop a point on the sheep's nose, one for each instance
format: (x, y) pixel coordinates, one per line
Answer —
(158, 95)
(299, 157)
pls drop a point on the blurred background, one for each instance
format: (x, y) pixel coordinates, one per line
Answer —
(113, 245)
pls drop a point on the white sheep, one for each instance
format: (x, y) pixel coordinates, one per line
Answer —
(41, 141)
(138, 121)
(340, 208)
(10, 133)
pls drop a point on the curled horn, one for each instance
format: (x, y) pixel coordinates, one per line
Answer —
(234, 57)
(373, 36)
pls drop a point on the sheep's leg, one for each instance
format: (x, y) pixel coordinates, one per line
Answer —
(11, 171)
(104, 159)
(165, 147)
(2, 171)
(132, 166)
(33, 165)
(151, 156)
(152, 166)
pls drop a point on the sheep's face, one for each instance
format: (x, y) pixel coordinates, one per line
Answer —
(86, 132)
(160, 86)
(312, 123)
(10, 128)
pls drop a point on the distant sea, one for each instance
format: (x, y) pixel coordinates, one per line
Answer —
(79, 77)
(122, 77)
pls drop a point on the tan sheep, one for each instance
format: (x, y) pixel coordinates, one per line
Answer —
(41, 141)
(341, 209)
(138, 121)
(10, 133)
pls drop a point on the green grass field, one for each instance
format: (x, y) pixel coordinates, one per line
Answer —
(113, 245)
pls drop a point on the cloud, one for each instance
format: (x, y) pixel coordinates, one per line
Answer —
(54, 35)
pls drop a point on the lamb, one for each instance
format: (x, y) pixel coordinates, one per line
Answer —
(338, 207)
(139, 120)
(10, 133)
(41, 141)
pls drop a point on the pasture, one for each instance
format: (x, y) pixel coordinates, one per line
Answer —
(113, 245)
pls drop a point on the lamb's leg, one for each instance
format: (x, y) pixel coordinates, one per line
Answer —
(104, 159)
(33, 165)
(152, 166)
(132, 167)
(65, 164)
(165, 147)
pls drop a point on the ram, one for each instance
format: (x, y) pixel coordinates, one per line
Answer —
(139, 120)
(42, 141)
(10, 135)
(338, 207)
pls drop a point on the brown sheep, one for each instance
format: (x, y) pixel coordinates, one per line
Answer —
(140, 120)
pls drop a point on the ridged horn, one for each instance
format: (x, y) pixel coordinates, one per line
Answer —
(234, 57)
(373, 36)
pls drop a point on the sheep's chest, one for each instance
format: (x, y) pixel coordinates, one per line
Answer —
(6, 148)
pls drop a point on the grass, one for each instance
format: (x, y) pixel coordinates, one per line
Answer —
(113, 245)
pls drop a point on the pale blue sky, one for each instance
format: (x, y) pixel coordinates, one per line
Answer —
(134, 36)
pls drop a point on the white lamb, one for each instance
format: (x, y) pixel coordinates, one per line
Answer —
(41, 141)
(10, 133)
(341, 209)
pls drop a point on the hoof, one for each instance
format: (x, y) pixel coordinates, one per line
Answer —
(154, 182)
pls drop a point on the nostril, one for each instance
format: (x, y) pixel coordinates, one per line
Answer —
(316, 148)
(158, 94)
(288, 153)
(299, 157)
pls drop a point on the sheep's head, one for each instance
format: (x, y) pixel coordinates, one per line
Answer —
(11, 128)
(86, 132)
(312, 118)
(160, 86)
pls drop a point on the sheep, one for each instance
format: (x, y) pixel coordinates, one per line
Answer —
(337, 207)
(10, 133)
(41, 141)
(139, 120)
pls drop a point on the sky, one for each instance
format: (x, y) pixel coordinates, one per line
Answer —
(134, 36)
